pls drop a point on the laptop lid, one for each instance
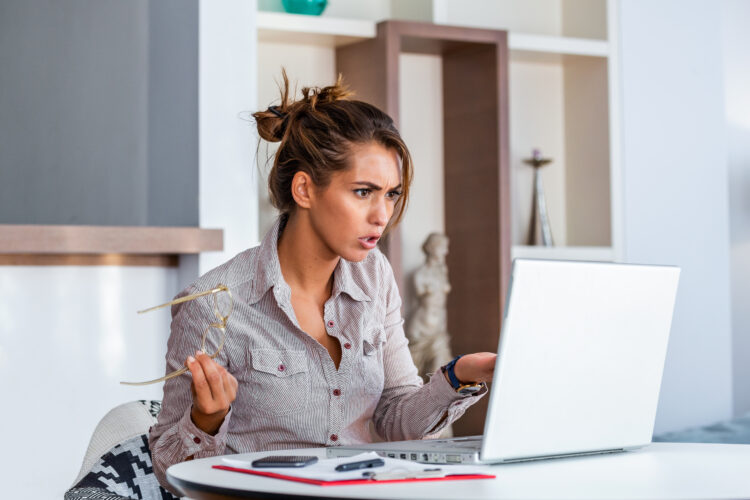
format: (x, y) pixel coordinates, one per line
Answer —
(580, 358)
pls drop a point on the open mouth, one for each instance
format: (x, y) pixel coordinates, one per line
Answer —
(369, 242)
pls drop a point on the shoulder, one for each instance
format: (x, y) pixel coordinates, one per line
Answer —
(234, 273)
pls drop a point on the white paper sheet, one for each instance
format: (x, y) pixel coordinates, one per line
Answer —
(324, 469)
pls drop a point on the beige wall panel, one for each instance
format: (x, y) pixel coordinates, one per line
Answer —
(540, 17)
(306, 65)
(587, 173)
(584, 18)
(421, 109)
(536, 115)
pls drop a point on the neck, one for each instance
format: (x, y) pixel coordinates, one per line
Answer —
(307, 264)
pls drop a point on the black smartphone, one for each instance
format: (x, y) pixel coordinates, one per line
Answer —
(285, 461)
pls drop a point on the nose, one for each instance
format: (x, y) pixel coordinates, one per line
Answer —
(379, 214)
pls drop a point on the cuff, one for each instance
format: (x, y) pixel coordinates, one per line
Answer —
(452, 404)
(200, 444)
(455, 403)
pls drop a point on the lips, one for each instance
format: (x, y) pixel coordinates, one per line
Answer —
(369, 241)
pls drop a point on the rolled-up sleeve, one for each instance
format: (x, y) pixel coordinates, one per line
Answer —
(175, 438)
(409, 409)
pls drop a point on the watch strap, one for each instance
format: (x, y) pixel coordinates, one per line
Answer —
(458, 386)
(449, 370)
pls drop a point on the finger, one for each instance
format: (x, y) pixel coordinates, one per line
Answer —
(230, 386)
(201, 391)
(213, 377)
(489, 366)
(489, 361)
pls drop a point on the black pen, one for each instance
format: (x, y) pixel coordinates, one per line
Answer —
(363, 464)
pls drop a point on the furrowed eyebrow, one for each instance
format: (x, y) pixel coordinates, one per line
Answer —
(372, 186)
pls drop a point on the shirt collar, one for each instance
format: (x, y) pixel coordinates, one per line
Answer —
(267, 268)
(268, 271)
(344, 281)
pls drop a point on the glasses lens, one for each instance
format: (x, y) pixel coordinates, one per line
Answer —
(213, 340)
(223, 304)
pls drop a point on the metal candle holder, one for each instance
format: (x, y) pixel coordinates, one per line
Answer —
(539, 228)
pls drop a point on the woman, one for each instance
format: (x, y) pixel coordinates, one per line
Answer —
(315, 348)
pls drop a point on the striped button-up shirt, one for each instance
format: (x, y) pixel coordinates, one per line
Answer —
(290, 393)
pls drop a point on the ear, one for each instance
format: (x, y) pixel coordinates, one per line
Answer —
(303, 189)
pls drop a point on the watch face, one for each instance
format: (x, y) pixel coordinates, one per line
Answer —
(469, 389)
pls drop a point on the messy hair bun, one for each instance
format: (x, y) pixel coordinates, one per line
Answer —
(272, 123)
(317, 133)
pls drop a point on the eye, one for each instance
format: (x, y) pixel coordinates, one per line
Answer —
(362, 192)
(393, 195)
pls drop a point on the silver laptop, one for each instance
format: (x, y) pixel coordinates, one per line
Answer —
(579, 366)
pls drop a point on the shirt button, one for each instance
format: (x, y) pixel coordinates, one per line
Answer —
(347, 346)
(197, 440)
(336, 392)
(334, 437)
(330, 323)
(282, 368)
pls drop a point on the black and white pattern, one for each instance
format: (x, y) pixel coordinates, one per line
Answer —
(91, 494)
(152, 405)
(125, 471)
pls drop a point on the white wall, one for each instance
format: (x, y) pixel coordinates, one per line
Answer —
(227, 93)
(736, 29)
(675, 191)
(68, 336)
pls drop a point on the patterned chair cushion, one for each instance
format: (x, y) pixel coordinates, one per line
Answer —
(123, 472)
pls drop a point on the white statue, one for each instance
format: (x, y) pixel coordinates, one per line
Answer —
(429, 341)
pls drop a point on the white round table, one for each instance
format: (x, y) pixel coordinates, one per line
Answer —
(657, 471)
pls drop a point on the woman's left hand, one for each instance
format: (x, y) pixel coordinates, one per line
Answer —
(477, 367)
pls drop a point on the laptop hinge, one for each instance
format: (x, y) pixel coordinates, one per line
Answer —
(563, 455)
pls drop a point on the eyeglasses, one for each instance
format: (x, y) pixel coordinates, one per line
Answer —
(223, 306)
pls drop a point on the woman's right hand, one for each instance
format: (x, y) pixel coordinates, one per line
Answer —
(214, 389)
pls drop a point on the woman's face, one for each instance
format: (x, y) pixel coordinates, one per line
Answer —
(350, 214)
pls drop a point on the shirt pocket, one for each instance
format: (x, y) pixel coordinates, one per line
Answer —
(280, 381)
(372, 374)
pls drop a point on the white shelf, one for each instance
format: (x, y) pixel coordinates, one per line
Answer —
(314, 30)
(596, 254)
(557, 45)
(330, 31)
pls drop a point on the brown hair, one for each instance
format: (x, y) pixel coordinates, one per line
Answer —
(317, 134)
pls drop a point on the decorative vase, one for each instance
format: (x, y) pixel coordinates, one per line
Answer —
(307, 7)
(539, 228)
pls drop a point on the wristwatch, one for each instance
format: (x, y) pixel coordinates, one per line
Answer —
(458, 386)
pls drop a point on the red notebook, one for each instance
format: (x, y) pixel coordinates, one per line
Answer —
(318, 482)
